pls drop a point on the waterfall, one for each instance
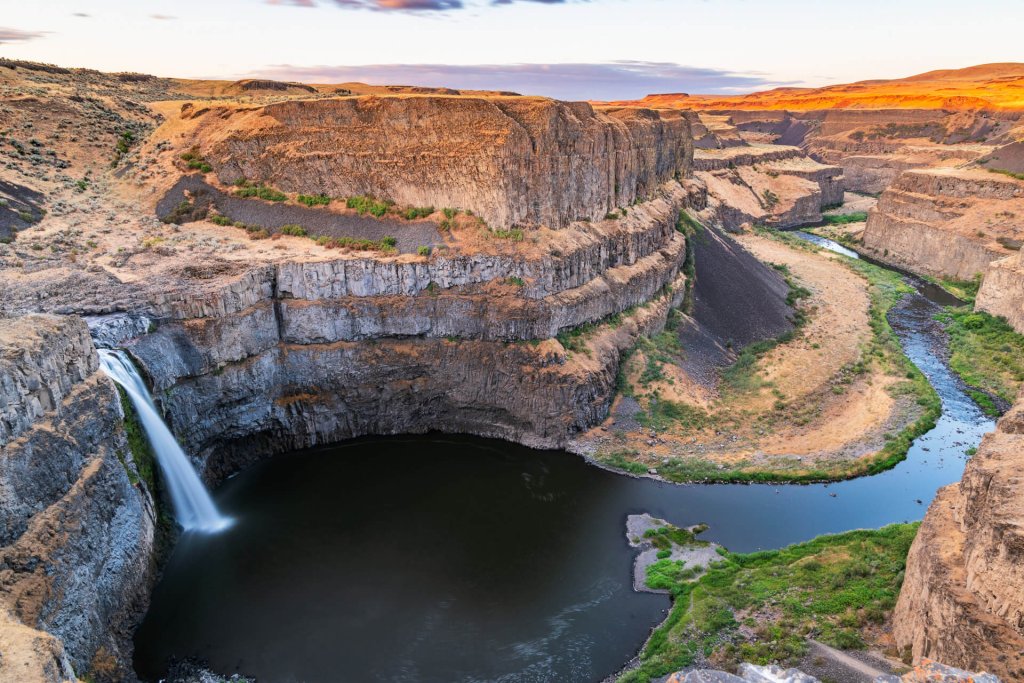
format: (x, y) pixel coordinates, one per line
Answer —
(193, 506)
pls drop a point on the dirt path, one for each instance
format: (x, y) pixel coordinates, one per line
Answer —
(856, 670)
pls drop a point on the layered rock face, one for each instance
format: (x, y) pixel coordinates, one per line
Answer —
(963, 598)
(773, 185)
(948, 223)
(512, 160)
(300, 353)
(1002, 290)
(874, 146)
(75, 534)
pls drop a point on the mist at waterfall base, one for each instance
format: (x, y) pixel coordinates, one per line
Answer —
(193, 507)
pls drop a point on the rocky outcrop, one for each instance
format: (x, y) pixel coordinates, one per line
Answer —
(948, 223)
(767, 184)
(1002, 290)
(512, 160)
(963, 598)
(75, 533)
(290, 395)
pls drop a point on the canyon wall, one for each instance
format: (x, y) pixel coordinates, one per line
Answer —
(772, 185)
(873, 146)
(76, 533)
(1002, 290)
(949, 223)
(294, 354)
(963, 598)
(512, 160)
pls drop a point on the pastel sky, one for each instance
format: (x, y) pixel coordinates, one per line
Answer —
(574, 49)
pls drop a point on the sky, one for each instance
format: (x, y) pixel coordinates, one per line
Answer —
(571, 49)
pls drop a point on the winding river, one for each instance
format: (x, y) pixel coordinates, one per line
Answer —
(439, 558)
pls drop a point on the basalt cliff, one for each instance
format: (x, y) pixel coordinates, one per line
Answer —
(963, 598)
(525, 244)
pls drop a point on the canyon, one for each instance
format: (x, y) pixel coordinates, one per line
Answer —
(296, 265)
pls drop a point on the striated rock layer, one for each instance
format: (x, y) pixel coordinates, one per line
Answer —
(948, 223)
(1002, 290)
(76, 534)
(772, 185)
(296, 354)
(962, 602)
(512, 160)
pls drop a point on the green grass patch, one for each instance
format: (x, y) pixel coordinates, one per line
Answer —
(312, 200)
(387, 245)
(294, 230)
(514, 234)
(195, 161)
(829, 589)
(846, 218)
(1012, 174)
(247, 189)
(365, 204)
(415, 212)
(141, 452)
(986, 353)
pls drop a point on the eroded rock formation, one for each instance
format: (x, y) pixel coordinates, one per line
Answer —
(767, 184)
(962, 602)
(512, 160)
(948, 223)
(1002, 290)
(76, 533)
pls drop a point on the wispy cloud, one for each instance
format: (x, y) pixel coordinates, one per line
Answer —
(601, 81)
(16, 35)
(411, 5)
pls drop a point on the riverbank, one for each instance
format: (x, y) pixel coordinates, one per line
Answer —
(836, 398)
(982, 349)
(768, 607)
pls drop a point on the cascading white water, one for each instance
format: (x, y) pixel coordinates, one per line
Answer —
(193, 506)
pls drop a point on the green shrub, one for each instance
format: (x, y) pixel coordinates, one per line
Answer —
(294, 230)
(246, 189)
(418, 212)
(423, 251)
(312, 200)
(514, 234)
(365, 204)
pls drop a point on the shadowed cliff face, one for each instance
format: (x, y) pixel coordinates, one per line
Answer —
(76, 533)
(510, 160)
